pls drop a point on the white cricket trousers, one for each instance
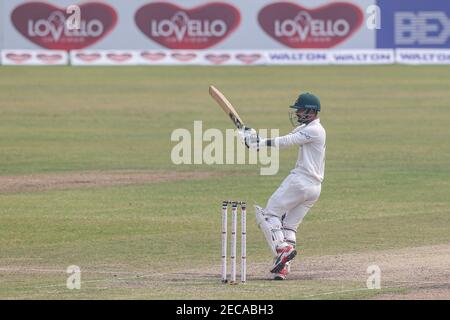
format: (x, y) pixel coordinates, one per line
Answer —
(293, 199)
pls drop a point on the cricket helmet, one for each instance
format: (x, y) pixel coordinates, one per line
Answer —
(306, 108)
(307, 101)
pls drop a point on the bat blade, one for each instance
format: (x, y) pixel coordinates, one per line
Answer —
(226, 106)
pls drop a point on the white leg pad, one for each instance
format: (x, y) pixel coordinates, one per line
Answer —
(271, 228)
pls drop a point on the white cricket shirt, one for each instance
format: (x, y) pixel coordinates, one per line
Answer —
(311, 156)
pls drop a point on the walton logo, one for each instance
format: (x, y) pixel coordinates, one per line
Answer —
(423, 28)
(298, 27)
(178, 28)
(45, 24)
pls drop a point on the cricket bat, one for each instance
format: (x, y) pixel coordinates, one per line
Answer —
(226, 106)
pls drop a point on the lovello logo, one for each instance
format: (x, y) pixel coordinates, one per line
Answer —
(45, 24)
(299, 27)
(178, 28)
(425, 28)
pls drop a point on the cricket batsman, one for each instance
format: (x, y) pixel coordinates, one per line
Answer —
(289, 204)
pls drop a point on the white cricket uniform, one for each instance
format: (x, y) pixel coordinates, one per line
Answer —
(301, 188)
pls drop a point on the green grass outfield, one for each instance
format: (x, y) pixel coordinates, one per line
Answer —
(386, 185)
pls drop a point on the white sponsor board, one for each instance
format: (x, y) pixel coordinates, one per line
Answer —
(231, 57)
(170, 57)
(422, 56)
(324, 57)
(34, 57)
(362, 56)
(295, 57)
(104, 57)
(196, 57)
(225, 57)
(166, 57)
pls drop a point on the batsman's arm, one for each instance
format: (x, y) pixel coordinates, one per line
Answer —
(295, 138)
(292, 139)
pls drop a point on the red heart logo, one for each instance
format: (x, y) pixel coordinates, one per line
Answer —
(18, 58)
(179, 28)
(153, 56)
(119, 57)
(248, 58)
(45, 24)
(217, 58)
(298, 27)
(184, 56)
(49, 58)
(88, 57)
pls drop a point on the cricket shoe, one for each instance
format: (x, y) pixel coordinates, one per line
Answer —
(284, 255)
(283, 273)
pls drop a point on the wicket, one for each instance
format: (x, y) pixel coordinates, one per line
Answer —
(234, 218)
